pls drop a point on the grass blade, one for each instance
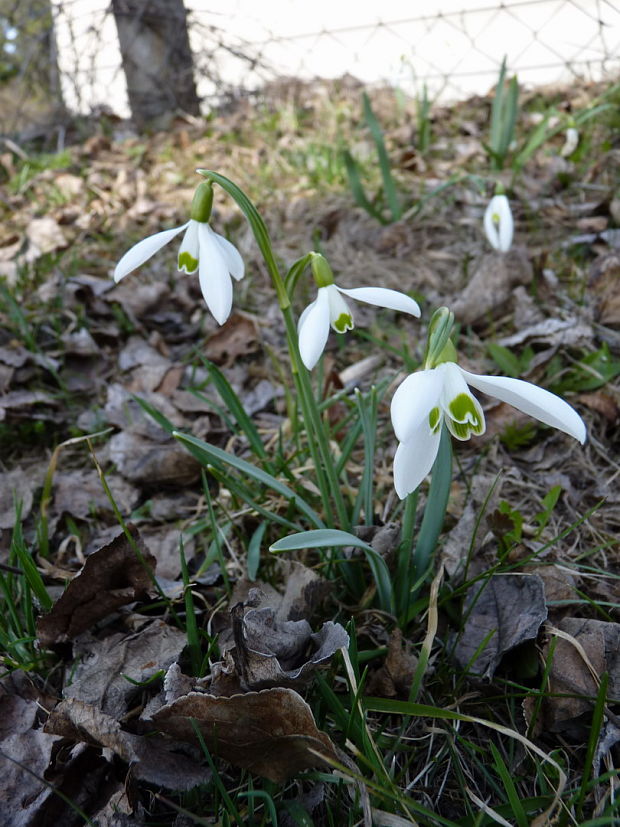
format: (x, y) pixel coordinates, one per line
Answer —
(389, 185)
(209, 454)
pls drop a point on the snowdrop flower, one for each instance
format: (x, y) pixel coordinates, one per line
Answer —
(215, 258)
(570, 143)
(330, 309)
(441, 394)
(498, 223)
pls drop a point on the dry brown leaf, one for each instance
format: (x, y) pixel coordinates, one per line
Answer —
(492, 284)
(271, 652)
(163, 543)
(239, 337)
(15, 488)
(45, 236)
(573, 679)
(395, 676)
(110, 578)
(21, 402)
(602, 403)
(105, 668)
(122, 410)
(23, 789)
(151, 759)
(506, 610)
(604, 278)
(560, 586)
(147, 364)
(150, 463)
(80, 493)
(271, 733)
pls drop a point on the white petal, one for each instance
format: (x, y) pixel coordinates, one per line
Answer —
(413, 400)
(231, 255)
(340, 316)
(499, 233)
(314, 329)
(571, 142)
(506, 224)
(143, 250)
(383, 297)
(414, 459)
(532, 400)
(190, 245)
(215, 281)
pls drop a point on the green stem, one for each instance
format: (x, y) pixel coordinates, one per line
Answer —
(435, 511)
(317, 439)
(405, 553)
(323, 459)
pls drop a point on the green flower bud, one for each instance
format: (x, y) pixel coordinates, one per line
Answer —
(322, 272)
(439, 348)
(202, 202)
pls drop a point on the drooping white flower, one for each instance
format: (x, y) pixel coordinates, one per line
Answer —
(571, 142)
(215, 258)
(330, 309)
(428, 398)
(498, 223)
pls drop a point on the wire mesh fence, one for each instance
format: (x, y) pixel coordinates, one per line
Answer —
(64, 55)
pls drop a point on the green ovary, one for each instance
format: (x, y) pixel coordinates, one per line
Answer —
(187, 262)
(342, 323)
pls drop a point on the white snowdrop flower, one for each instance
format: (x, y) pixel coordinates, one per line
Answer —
(498, 223)
(215, 258)
(330, 309)
(427, 398)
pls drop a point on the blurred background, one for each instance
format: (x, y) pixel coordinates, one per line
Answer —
(151, 58)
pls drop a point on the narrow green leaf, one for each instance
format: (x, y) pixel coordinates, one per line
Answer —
(357, 188)
(496, 111)
(295, 271)
(254, 547)
(208, 454)
(509, 785)
(236, 408)
(331, 538)
(504, 359)
(321, 538)
(389, 185)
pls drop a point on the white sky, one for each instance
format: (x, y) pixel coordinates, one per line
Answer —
(456, 46)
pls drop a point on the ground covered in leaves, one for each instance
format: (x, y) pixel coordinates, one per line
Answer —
(175, 672)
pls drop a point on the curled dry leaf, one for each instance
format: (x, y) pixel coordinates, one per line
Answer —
(502, 613)
(271, 733)
(151, 759)
(111, 577)
(269, 652)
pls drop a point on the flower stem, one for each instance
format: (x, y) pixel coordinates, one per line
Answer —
(318, 441)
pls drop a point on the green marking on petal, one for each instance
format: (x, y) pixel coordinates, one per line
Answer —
(342, 323)
(463, 409)
(187, 263)
(459, 430)
(434, 419)
(495, 218)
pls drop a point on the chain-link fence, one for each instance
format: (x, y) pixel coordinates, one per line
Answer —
(455, 48)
